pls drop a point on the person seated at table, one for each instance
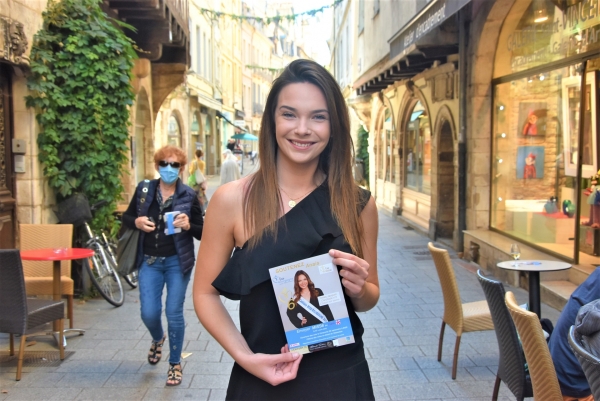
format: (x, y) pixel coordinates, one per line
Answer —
(587, 324)
(573, 383)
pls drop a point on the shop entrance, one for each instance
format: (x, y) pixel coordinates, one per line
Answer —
(446, 185)
(7, 199)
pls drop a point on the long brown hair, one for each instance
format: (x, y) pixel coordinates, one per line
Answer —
(311, 286)
(262, 200)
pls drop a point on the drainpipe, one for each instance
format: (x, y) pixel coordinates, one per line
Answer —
(463, 34)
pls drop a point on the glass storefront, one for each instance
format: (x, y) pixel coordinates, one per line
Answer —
(545, 127)
(418, 151)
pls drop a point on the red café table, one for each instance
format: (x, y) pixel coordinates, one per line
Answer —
(56, 256)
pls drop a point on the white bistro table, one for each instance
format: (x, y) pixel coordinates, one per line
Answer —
(534, 267)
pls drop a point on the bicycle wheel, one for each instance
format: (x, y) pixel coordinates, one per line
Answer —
(131, 278)
(104, 276)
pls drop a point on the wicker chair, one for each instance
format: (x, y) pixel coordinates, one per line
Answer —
(38, 275)
(589, 362)
(462, 318)
(18, 313)
(541, 368)
(511, 364)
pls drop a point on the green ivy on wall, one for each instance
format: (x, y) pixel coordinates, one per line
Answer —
(81, 90)
(363, 151)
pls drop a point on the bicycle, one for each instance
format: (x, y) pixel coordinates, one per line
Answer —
(102, 267)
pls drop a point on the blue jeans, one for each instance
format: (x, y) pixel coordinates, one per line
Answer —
(152, 280)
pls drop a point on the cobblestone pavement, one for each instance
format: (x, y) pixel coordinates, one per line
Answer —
(401, 337)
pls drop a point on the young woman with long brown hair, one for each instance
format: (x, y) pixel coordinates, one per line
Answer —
(302, 202)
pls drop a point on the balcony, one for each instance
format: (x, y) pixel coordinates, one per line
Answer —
(162, 31)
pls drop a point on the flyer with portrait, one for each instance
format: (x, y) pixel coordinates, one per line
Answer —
(311, 304)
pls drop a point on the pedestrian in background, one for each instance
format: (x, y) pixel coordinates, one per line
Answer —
(230, 171)
(197, 180)
(302, 202)
(165, 257)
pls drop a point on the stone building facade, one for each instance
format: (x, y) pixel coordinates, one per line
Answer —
(24, 194)
(483, 126)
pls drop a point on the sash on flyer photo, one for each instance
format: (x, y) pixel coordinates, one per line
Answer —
(310, 308)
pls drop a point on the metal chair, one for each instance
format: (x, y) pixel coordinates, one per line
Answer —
(589, 362)
(19, 313)
(38, 275)
(462, 318)
(511, 364)
(541, 368)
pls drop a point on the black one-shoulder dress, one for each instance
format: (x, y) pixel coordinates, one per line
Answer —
(309, 229)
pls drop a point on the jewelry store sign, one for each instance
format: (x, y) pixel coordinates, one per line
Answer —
(429, 18)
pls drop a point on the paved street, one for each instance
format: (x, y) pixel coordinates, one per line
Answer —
(401, 337)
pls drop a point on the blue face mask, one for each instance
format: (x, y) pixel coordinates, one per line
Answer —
(168, 174)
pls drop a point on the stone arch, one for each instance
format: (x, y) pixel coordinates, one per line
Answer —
(411, 97)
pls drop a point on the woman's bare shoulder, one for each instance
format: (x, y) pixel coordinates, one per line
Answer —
(230, 196)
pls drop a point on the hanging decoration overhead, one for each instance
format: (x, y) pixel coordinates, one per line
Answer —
(269, 69)
(213, 15)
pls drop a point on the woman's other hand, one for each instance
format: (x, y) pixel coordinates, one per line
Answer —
(145, 224)
(274, 369)
(182, 221)
(355, 272)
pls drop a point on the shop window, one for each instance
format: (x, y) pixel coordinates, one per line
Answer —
(418, 150)
(386, 169)
(535, 152)
(174, 132)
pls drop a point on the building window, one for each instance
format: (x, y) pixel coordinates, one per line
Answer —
(174, 132)
(535, 148)
(375, 8)
(198, 51)
(361, 16)
(418, 150)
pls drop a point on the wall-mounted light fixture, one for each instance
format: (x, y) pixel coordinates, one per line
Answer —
(540, 14)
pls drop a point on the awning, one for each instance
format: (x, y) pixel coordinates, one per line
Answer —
(238, 128)
(431, 17)
(429, 37)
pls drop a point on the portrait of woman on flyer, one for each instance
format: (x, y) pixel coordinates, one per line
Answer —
(301, 202)
(304, 309)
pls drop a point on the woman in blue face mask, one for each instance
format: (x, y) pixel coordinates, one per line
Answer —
(169, 216)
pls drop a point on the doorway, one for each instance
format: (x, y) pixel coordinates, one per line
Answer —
(7, 190)
(446, 185)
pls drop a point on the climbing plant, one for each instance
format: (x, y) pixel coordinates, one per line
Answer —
(81, 90)
(363, 151)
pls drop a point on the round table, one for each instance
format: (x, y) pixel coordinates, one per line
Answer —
(534, 267)
(56, 256)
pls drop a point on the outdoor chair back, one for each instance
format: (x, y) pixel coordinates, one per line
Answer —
(541, 368)
(462, 318)
(589, 362)
(38, 274)
(511, 364)
(18, 313)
